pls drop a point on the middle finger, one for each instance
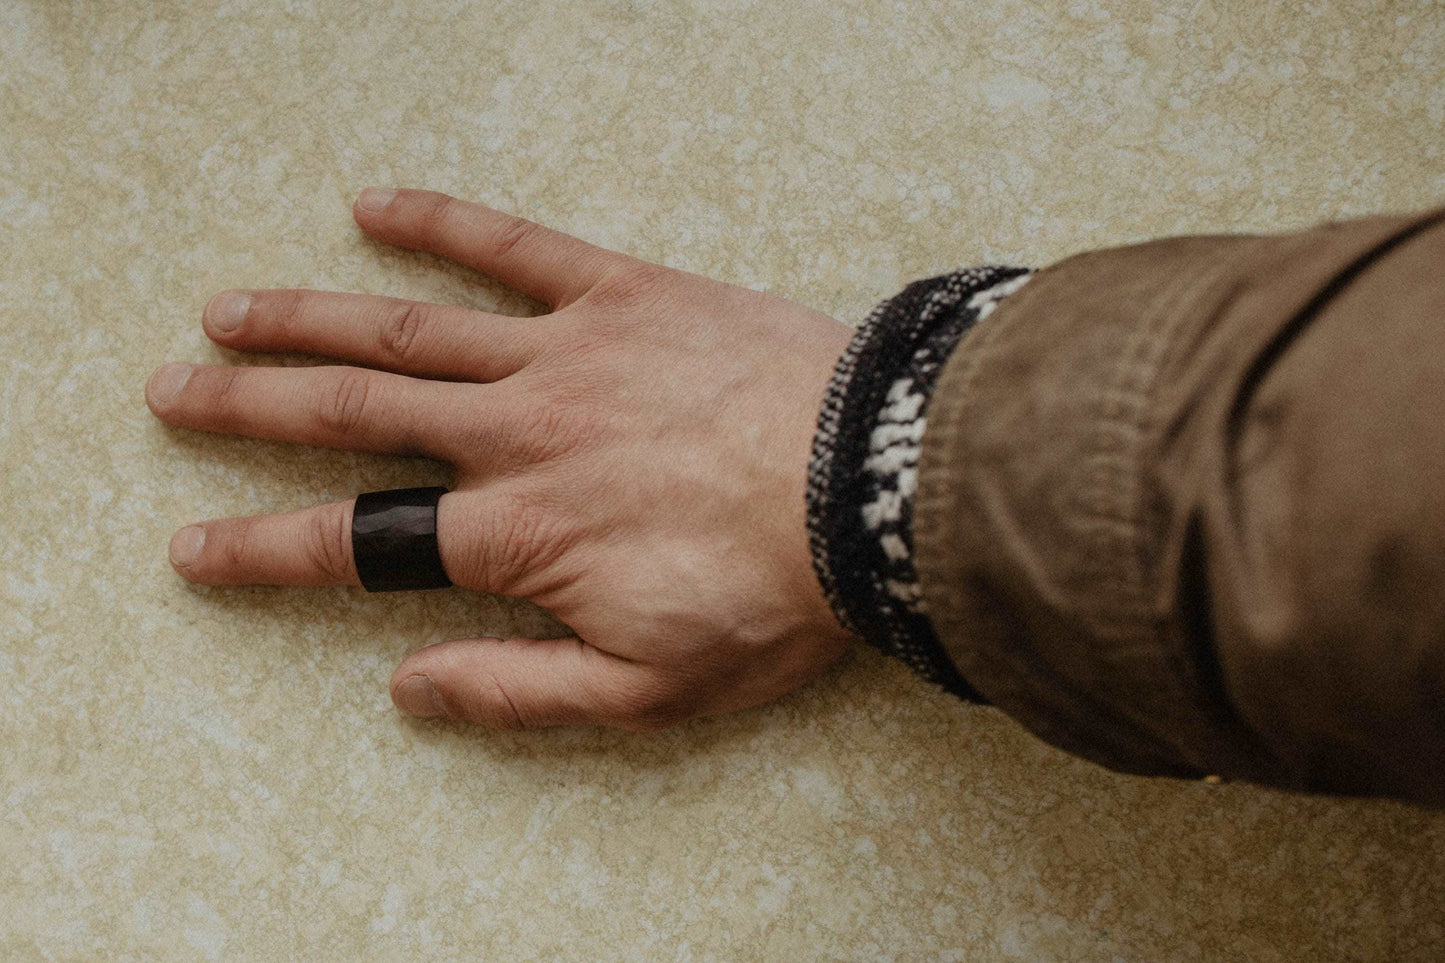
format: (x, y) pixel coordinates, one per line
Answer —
(330, 406)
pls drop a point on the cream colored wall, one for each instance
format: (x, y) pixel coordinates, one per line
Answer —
(219, 774)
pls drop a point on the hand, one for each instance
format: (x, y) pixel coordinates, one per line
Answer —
(634, 461)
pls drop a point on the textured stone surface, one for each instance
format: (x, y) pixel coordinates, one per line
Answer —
(218, 774)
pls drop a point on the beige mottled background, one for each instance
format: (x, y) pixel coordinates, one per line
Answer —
(193, 774)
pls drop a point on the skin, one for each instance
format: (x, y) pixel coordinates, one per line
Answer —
(634, 461)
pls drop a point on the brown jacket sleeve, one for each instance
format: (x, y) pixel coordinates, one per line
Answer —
(1182, 507)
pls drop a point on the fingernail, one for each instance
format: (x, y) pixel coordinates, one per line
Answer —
(228, 309)
(168, 382)
(416, 696)
(186, 545)
(375, 199)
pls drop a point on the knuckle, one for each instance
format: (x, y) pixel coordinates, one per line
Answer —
(545, 432)
(500, 710)
(286, 314)
(577, 388)
(515, 546)
(660, 705)
(344, 407)
(514, 231)
(635, 282)
(434, 211)
(328, 545)
(224, 390)
(401, 331)
(236, 547)
(526, 540)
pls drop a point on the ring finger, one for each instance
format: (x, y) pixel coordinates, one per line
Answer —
(311, 546)
(307, 547)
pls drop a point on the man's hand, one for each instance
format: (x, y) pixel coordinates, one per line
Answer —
(634, 461)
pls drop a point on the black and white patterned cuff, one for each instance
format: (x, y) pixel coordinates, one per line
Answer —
(864, 471)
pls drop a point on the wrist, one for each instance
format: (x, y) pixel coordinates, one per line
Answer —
(863, 473)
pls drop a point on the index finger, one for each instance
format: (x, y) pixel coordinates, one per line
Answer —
(548, 265)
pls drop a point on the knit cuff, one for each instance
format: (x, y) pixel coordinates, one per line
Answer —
(864, 471)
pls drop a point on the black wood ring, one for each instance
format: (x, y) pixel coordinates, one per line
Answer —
(394, 540)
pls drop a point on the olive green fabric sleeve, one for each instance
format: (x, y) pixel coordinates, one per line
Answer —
(1181, 507)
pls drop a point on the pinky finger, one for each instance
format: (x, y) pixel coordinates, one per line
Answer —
(532, 683)
(307, 547)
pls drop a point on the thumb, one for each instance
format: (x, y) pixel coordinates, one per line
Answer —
(531, 683)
